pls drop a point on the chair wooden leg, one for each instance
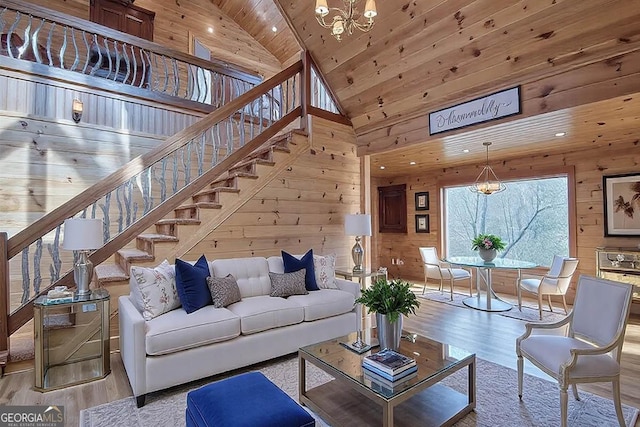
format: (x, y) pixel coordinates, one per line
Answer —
(520, 375)
(564, 401)
(617, 403)
(540, 305)
(470, 287)
(549, 300)
(574, 387)
(451, 282)
(564, 303)
(519, 292)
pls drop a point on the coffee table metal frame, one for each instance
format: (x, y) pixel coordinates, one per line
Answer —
(387, 403)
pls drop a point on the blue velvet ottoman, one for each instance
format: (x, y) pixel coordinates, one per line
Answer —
(246, 400)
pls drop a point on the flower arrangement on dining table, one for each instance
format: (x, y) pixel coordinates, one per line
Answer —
(488, 242)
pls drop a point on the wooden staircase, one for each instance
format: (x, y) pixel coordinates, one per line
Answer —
(191, 222)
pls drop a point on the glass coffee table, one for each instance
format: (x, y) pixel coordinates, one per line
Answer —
(420, 400)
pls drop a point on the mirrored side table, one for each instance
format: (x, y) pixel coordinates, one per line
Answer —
(71, 341)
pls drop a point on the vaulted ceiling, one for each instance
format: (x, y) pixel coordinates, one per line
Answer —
(576, 63)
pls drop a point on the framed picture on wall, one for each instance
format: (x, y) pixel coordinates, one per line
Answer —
(422, 201)
(621, 205)
(422, 223)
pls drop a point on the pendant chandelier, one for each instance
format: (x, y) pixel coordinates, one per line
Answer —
(346, 19)
(487, 182)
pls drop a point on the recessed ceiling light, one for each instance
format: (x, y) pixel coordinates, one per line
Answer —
(210, 30)
(465, 151)
(274, 29)
(561, 134)
(412, 163)
(381, 167)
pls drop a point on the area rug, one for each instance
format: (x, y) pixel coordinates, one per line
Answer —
(497, 406)
(528, 314)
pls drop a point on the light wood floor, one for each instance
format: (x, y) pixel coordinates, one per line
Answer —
(490, 336)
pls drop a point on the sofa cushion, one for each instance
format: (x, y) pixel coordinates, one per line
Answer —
(291, 264)
(325, 267)
(287, 284)
(176, 330)
(224, 290)
(153, 290)
(263, 312)
(191, 282)
(252, 274)
(324, 303)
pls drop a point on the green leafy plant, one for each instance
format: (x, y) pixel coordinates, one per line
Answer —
(487, 241)
(390, 298)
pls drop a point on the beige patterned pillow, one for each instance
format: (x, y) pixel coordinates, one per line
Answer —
(153, 290)
(287, 284)
(224, 290)
(325, 267)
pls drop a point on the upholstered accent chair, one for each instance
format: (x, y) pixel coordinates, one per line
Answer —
(441, 271)
(555, 282)
(587, 343)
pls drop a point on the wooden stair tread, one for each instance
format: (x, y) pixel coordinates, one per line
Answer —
(203, 205)
(179, 221)
(248, 162)
(132, 253)
(220, 189)
(110, 273)
(158, 237)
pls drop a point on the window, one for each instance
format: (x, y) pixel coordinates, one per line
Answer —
(531, 216)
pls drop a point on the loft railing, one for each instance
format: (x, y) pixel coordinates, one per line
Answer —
(320, 95)
(49, 38)
(143, 191)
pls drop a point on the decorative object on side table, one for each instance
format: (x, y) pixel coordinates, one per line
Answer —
(357, 225)
(487, 246)
(389, 300)
(82, 235)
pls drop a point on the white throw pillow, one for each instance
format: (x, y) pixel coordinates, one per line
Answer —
(154, 289)
(325, 268)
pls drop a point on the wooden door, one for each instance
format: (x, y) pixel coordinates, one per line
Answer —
(123, 16)
(392, 209)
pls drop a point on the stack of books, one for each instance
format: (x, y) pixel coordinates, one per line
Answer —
(387, 369)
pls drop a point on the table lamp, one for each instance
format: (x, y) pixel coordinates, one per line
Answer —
(82, 235)
(357, 225)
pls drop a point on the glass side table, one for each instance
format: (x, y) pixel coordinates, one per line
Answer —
(71, 341)
(359, 345)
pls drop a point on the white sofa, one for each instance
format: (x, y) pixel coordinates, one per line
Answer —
(177, 347)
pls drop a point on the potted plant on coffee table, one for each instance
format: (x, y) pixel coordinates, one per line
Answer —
(389, 300)
(487, 246)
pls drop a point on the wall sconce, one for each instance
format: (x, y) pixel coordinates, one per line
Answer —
(76, 110)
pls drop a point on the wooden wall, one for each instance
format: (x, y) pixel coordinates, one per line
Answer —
(46, 158)
(176, 19)
(590, 165)
(302, 208)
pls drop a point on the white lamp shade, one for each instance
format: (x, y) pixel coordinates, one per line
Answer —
(370, 10)
(82, 234)
(357, 225)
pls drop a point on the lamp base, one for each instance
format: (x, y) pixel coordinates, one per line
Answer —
(359, 346)
(82, 274)
(357, 253)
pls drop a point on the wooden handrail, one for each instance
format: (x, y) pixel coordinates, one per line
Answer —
(47, 223)
(221, 67)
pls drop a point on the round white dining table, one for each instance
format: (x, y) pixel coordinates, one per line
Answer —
(488, 302)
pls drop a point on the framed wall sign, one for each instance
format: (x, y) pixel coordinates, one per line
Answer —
(621, 205)
(422, 201)
(422, 223)
(491, 107)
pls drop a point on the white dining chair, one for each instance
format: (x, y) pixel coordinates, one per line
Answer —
(585, 346)
(436, 269)
(555, 282)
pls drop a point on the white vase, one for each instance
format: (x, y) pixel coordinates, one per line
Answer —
(487, 255)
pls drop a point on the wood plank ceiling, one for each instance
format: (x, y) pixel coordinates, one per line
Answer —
(258, 17)
(569, 56)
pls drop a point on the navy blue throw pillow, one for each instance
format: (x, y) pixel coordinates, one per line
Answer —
(191, 284)
(293, 264)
